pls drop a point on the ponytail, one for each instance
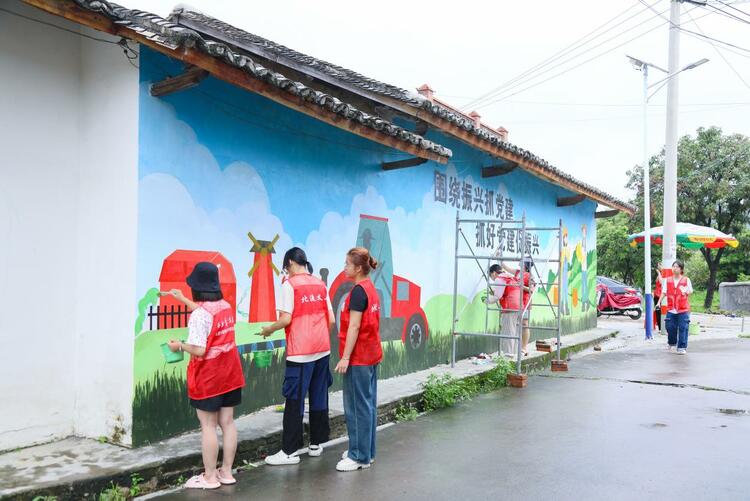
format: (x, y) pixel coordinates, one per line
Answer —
(361, 257)
(296, 255)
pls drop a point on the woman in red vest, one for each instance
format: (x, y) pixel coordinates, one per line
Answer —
(214, 375)
(677, 322)
(306, 316)
(360, 352)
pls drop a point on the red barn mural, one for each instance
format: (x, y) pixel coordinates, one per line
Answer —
(178, 265)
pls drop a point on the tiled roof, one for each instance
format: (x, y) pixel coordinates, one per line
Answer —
(277, 52)
(221, 40)
(173, 36)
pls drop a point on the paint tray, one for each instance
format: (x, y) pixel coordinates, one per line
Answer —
(171, 356)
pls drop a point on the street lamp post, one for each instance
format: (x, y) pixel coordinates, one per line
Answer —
(643, 66)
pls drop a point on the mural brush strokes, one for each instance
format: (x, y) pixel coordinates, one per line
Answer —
(229, 173)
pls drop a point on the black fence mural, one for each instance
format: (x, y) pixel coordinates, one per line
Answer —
(168, 316)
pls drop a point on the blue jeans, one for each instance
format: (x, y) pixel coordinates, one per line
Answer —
(308, 379)
(361, 411)
(677, 325)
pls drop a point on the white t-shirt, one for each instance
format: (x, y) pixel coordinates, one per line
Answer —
(286, 305)
(498, 289)
(199, 327)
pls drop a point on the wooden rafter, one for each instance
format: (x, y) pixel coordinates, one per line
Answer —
(606, 213)
(400, 164)
(229, 74)
(499, 170)
(568, 201)
(190, 78)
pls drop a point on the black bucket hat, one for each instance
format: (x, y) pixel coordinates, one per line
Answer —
(204, 278)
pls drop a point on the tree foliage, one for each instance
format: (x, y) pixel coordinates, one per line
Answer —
(713, 189)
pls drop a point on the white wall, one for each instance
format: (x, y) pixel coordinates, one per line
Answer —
(68, 214)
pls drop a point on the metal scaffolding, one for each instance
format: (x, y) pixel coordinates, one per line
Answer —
(497, 256)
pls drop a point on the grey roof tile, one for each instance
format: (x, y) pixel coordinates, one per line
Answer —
(172, 35)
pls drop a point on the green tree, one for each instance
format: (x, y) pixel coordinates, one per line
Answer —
(617, 259)
(713, 189)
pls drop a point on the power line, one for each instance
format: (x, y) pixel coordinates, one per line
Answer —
(504, 95)
(130, 54)
(623, 117)
(734, 8)
(700, 35)
(722, 55)
(727, 14)
(562, 52)
(58, 27)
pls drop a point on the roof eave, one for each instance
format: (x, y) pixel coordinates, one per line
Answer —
(401, 139)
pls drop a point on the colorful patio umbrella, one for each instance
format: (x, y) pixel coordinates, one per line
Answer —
(690, 236)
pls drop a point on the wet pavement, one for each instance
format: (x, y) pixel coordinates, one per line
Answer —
(636, 423)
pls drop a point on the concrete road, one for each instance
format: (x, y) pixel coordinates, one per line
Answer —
(629, 424)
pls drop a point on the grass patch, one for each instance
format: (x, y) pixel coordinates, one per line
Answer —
(446, 390)
(698, 297)
(406, 412)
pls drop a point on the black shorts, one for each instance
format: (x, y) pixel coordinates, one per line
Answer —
(213, 404)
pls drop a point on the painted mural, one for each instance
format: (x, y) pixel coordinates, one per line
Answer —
(232, 178)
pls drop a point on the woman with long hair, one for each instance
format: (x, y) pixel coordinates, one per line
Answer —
(360, 352)
(306, 316)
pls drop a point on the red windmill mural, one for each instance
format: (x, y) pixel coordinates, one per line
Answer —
(262, 290)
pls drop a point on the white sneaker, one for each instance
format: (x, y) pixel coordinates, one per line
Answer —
(345, 455)
(670, 347)
(681, 351)
(349, 464)
(281, 458)
(315, 450)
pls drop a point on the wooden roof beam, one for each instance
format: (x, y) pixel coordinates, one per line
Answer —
(190, 78)
(231, 75)
(400, 164)
(606, 213)
(568, 201)
(499, 170)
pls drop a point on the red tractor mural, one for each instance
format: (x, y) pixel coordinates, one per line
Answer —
(401, 316)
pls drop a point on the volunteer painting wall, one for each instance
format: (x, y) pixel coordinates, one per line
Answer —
(233, 178)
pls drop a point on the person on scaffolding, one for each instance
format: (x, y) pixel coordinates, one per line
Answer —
(528, 289)
(504, 290)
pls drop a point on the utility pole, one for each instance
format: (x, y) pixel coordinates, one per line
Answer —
(669, 247)
(648, 302)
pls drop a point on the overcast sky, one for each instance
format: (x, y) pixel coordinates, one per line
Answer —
(586, 121)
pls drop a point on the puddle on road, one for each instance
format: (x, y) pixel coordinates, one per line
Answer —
(733, 412)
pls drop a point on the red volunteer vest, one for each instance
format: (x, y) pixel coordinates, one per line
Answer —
(676, 299)
(526, 294)
(511, 299)
(308, 333)
(367, 350)
(219, 370)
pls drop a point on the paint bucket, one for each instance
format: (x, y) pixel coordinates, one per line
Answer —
(263, 358)
(171, 356)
